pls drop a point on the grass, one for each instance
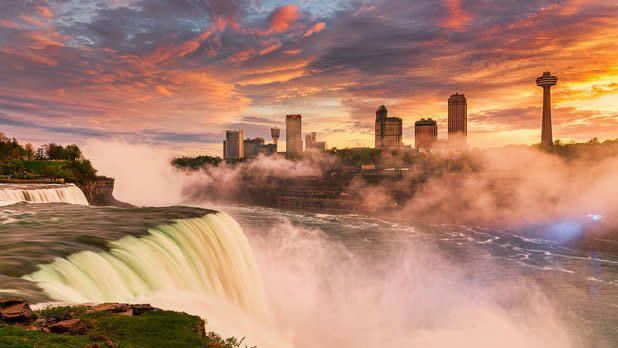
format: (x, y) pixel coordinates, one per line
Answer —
(44, 166)
(158, 329)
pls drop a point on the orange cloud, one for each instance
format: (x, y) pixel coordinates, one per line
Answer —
(9, 24)
(33, 21)
(316, 28)
(270, 48)
(457, 16)
(292, 52)
(169, 51)
(242, 56)
(39, 39)
(164, 91)
(283, 17)
(45, 11)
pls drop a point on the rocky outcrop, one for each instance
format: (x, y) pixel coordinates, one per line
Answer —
(16, 311)
(76, 327)
(100, 191)
(123, 308)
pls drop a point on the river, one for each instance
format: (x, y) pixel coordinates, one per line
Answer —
(300, 279)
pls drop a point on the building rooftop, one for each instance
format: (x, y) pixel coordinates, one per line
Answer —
(457, 96)
(426, 122)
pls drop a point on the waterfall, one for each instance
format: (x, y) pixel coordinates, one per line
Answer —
(45, 194)
(207, 256)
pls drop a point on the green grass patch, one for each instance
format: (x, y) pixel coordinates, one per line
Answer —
(17, 337)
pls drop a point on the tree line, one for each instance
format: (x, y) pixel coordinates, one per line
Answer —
(11, 149)
(50, 161)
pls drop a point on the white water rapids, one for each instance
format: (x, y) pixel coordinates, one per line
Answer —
(31, 193)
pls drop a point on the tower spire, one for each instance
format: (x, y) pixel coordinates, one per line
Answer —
(546, 81)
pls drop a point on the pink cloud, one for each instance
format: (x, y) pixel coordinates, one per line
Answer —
(9, 24)
(316, 28)
(457, 17)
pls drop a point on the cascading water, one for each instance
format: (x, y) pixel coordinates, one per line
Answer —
(42, 194)
(202, 265)
(208, 255)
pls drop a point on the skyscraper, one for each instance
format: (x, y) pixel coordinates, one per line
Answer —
(546, 81)
(293, 134)
(388, 130)
(233, 146)
(457, 119)
(425, 133)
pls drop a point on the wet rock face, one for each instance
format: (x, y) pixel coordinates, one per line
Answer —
(15, 311)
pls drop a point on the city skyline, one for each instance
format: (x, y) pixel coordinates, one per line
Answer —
(73, 73)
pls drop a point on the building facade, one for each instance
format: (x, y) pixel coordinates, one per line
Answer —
(233, 146)
(253, 147)
(311, 143)
(425, 134)
(388, 130)
(457, 119)
(293, 134)
(269, 149)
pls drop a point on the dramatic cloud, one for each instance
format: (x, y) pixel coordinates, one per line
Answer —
(132, 67)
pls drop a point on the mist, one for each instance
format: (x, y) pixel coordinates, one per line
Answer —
(322, 293)
(143, 172)
(328, 296)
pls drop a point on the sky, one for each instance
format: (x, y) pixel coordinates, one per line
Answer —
(177, 73)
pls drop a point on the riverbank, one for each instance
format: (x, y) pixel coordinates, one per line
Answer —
(103, 325)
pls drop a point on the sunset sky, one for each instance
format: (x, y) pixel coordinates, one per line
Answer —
(177, 73)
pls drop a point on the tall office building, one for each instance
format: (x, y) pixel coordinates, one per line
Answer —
(388, 130)
(546, 81)
(293, 134)
(253, 147)
(457, 119)
(233, 146)
(425, 134)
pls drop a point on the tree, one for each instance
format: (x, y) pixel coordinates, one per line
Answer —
(29, 151)
(72, 152)
(55, 151)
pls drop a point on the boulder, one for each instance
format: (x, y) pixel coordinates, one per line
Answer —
(72, 326)
(15, 311)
